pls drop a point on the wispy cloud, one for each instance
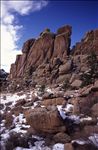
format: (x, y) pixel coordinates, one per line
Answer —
(10, 30)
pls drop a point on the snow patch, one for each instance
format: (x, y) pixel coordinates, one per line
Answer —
(86, 119)
(58, 146)
(63, 115)
(49, 90)
(68, 108)
(94, 139)
(80, 142)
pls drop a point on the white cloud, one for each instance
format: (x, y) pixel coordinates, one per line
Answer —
(10, 30)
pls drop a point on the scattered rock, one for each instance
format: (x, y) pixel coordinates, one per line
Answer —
(8, 120)
(61, 138)
(76, 83)
(68, 146)
(63, 69)
(20, 102)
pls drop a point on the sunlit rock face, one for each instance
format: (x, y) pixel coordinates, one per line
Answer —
(43, 50)
(49, 59)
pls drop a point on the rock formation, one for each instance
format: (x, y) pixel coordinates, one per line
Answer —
(55, 94)
(42, 55)
(49, 59)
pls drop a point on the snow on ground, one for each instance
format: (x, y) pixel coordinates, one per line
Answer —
(63, 114)
(94, 139)
(68, 108)
(39, 145)
(76, 118)
(86, 119)
(11, 98)
(58, 146)
(19, 126)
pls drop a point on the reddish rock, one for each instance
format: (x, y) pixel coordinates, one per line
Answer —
(89, 130)
(45, 120)
(76, 84)
(53, 101)
(61, 138)
(20, 102)
(8, 120)
(88, 44)
(17, 110)
(62, 42)
(46, 60)
(65, 29)
(41, 51)
(94, 110)
(84, 104)
(27, 45)
(68, 146)
(64, 69)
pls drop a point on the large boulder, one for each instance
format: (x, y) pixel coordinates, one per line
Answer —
(61, 138)
(83, 105)
(68, 146)
(45, 120)
(63, 69)
(76, 84)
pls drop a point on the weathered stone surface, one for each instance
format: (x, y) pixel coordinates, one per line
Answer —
(63, 78)
(63, 69)
(89, 130)
(42, 50)
(76, 83)
(94, 110)
(61, 138)
(84, 104)
(62, 42)
(45, 120)
(53, 101)
(68, 146)
(8, 120)
(88, 44)
(65, 29)
(27, 45)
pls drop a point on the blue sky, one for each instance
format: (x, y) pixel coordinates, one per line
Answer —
(25, 19)
(81, 15)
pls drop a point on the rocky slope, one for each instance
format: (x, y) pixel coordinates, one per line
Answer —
(54, 99)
